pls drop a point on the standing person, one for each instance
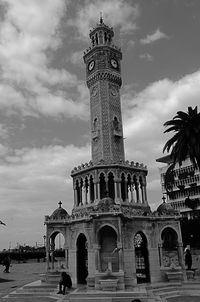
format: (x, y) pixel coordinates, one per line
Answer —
(65, 281)
(188, 259)
(6, 263)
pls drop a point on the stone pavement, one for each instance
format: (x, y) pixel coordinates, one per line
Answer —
(24, 285)
(20, 274)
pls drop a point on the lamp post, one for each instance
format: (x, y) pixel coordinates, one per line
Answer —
(44, 238)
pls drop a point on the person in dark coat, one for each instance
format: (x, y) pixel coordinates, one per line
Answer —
(6, 263)
(188, 259)
(65, 281)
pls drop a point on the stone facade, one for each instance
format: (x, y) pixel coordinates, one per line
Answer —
(112, 233)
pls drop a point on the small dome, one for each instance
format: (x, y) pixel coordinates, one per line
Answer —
(59, 213)
(166, 209)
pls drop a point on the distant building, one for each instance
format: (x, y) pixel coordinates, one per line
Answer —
(186, 185)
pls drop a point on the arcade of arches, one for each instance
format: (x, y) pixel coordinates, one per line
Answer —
(126, 188)
(106, 244)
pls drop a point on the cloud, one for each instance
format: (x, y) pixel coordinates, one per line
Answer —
(155, 36)
(76, 57)
(131, 43)
(117, 13)
(144, 114)
(32, 183)
(146, 56)
(30, 34)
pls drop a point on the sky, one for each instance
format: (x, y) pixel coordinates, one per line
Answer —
(44, 100)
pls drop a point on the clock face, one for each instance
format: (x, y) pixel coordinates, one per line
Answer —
(114, 63)
(91, 65)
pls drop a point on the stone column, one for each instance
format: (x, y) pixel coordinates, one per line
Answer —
(67, 258)
(106, 180)
(98, 191)
(96, 247)
(85, 189)
(75, 197)
(145, 192)
(120, 190)
(117, 190)
(121, 263)
(137, 191)
(132, 198)
(116, 195)
(89, 192)
(142, 191)
(180, 254)
(81, 193)
(95, 191)
(160, 254)
(47, 253)
(126, 189)
(52, 249)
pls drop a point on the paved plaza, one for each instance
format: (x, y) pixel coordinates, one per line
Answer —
(20, 274)
(26, 273)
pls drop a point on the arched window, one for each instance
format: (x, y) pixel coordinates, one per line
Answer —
(169, 238)
(78, 193)
(141, 258)
(123, 187)
(108, 244)
(105, 36)
(129, 188)
(82, 259)
(169, 248)
(96, 38)
(111, 186)
(91, 189)
(102, 186)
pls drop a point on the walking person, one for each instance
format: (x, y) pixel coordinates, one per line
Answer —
(188, 259)
(6, 263)
(65, 281)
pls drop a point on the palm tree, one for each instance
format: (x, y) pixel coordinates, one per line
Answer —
(186, 141)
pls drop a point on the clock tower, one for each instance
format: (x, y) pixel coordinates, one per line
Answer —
(108, 174)
(103, 73)
(112, 239)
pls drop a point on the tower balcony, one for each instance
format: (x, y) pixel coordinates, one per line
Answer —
(91, 165)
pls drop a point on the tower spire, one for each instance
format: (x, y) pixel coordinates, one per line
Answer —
(101, 18)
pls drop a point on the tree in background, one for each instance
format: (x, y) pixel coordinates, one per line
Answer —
(185, 143)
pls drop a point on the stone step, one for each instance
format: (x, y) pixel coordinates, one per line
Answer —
(30, 299)
(163, 285)
(38, 289)
(169, 294)
(30, 294)
(164, 289)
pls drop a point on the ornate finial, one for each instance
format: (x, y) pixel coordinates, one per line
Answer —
(163, 198)
(101, 18)
(60, 203)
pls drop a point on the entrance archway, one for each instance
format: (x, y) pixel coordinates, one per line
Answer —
(141, 258)
(169, 247)
(82, 259)
(108, 243)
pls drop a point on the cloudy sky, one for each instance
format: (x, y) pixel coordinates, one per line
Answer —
(44, 101)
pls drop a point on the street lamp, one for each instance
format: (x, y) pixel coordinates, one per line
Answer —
(44, 237)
